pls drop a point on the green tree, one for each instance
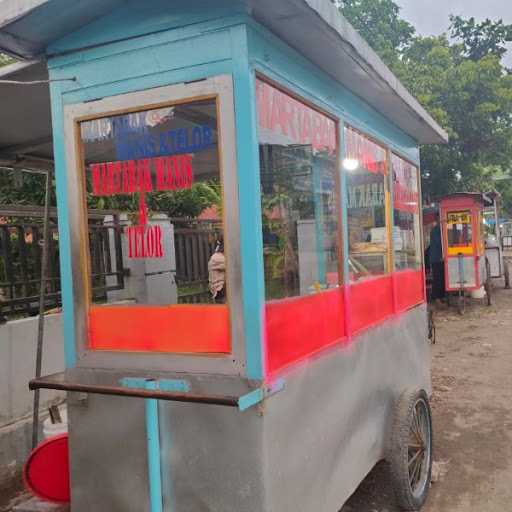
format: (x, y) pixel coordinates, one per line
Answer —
(379, 23)
(21, 188)
(460, 80)
(187, 203)
(5, 59)
(481, 39)
(472, 99)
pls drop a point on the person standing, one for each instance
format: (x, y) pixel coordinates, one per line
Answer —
(437, 262)
(217, 274)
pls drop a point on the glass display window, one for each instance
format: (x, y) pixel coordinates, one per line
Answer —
(406, 215)
(158, 172)
(365, 165)
(299, 183)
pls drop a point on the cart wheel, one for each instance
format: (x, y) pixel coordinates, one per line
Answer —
(487, 285)
(410, 458)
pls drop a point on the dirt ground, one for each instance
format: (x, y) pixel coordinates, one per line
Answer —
(472, 412)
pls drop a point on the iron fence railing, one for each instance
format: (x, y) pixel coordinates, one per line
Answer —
(21, 245)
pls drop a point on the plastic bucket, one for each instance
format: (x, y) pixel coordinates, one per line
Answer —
(479, 293)
(53, 429)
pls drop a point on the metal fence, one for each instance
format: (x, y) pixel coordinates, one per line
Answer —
(21, 246)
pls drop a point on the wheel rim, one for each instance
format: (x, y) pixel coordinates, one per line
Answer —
(419, 448)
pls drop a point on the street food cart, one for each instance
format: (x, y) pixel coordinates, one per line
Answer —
(221, 129)
(494, 242)
(506, 232)
(467, 264)
(472, 247)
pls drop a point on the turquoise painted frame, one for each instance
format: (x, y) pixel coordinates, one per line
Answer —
(236, 45)
(273, 59)
(228, 56)
(67, 288)
(253, 281)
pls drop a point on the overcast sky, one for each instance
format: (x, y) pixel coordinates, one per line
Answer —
(432, 16)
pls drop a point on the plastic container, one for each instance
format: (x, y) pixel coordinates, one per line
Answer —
(53, 429)
(479, 293)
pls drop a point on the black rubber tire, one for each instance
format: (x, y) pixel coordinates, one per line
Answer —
(407, 497)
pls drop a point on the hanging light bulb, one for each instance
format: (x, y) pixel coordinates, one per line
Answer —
(350, 164)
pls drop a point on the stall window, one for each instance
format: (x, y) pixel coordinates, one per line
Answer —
(406, 215)
(158, 172)
(298, 156)
(460, 232)
(365, 165)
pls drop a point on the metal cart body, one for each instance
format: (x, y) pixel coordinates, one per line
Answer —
(281, 398)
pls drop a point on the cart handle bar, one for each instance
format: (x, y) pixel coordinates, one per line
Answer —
(242, 402)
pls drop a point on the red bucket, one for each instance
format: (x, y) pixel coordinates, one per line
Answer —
(46, 472)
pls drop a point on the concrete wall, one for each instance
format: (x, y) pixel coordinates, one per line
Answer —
(18, 341)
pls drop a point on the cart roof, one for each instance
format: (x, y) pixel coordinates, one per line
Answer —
(27, 27)
(26, 130)
(487, 198)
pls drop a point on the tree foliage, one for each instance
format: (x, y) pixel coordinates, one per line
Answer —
(188, 203)
(472, 99)
(379, 23)
(481, 39)
(461, 80)
(21, 188)
(5, 59)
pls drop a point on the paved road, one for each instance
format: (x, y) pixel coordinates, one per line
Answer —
(472, 405)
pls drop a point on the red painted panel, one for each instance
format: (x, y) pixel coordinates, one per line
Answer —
(371, 302)
(301, 326)
(183, 328)
(409, 286)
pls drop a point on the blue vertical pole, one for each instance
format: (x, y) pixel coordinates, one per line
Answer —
(65, 253)
(391, 215)
(319, 214)
(153, 442)
(251, 239)
(345, 231)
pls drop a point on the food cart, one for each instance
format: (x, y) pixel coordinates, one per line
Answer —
(472, 256)
(494, 237)
(264, 341)
(507, 235)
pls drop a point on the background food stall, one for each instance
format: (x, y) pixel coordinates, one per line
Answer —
(494, 237)
(472, 244)
(223, 130)
(463, 233)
